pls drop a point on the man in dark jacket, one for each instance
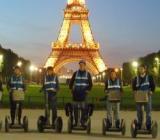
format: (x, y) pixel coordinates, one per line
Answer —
(80, 85)
(144, 82)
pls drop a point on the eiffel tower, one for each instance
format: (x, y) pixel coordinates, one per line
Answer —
(64, 52)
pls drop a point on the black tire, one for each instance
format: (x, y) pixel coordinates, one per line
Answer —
(89, 126)
(0, 125)
(104, 127)
(40, 124)
(133, 130)
(59, 125)
(154, 130)
(69, 126)
(25, 124)
(123, 127)
(7, 124)
(108, 126)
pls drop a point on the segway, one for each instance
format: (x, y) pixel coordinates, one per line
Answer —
(0, 104)
(0, 125)
(142, 98)
(44, 121)
(71, 119)
(107, 126)
(18, 96)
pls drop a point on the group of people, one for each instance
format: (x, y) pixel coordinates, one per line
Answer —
(142, 82)
(80, 85)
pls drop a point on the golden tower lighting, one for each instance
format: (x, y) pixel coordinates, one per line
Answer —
(63, 51)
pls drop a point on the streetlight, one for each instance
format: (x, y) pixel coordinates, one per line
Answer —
(1, 62)
(94, 78)
(36, 69)
(121, 69)
(157, 59)
(104, 74)
(40, 70)
(116, 70)
(32, 68)
(135, 66)
(157, 65)
(19, 63)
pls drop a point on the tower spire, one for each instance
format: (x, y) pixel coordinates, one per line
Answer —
(81, 2)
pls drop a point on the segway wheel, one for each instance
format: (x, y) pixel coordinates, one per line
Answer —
(123, 127)
(133, 129)
(104, 127)
(154, 130)
(7, 125)
(59, 125)
(0, 125)
(25, 124)
(40, 124)
(89, 126)
(69, 126)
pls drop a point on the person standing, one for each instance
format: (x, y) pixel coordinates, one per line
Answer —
(144, 82)
(113, 84)
(80, 84)
(51, 88)
(16, 83)
(1, 90)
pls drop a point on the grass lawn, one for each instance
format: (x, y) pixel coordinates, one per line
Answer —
(34, 99)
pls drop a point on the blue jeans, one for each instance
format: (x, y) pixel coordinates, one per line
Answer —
(148, 109)
(80, 107)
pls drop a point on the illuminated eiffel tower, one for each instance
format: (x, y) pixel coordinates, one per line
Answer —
(64, 52)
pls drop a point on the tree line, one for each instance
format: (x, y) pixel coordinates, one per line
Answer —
(9, 61)
(149, 61)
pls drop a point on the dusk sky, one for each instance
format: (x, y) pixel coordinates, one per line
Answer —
(126, 29)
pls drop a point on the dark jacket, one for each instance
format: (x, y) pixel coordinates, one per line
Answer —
(1, 86)
(90, 84)
(141, 80)
(80, 95)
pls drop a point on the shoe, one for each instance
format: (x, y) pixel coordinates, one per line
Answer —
(148, 126)
(12, 123)
(117, 124)
(139, 126)
(109, 124)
